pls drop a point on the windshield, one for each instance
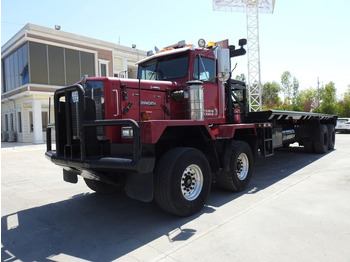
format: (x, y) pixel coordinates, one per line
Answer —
(165, 68)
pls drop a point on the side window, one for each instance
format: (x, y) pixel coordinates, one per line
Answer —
(148, 71)
(204, 69)
(104, 64)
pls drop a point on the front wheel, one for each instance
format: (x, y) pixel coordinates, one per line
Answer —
(182, 181)
(241, 165)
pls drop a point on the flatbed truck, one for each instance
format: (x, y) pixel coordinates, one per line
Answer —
(168, 135)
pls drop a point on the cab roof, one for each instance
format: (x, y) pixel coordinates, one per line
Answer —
(166, 52)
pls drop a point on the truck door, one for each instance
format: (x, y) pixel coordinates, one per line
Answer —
(205, 71)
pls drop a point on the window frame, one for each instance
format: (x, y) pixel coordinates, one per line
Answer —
(202, 65)
(19, 122)
(105, 63)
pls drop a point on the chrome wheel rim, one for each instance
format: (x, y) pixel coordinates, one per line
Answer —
(191, 182)
(242, 166)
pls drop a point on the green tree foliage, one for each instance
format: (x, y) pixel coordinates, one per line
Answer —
(270, 98)
(308, 99)
(286, 82)
(241, 77)
(290, 90)
(343, 106)
(329, 100)
(347, 95)
(320, 100)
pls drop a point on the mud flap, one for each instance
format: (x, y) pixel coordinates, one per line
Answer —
(70, 176)
(140, 186)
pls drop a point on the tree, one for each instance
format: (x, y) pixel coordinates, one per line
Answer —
(290, 88)
(347, 95)
(286, 82)
(296, 101)
(241, 77)
(343, 106)
(308, 99)
(329, 99)
(270, 98)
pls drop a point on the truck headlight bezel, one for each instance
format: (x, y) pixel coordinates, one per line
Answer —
(127, 132)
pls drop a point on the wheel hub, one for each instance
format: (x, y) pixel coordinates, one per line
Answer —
(242, 166)
(191, 182)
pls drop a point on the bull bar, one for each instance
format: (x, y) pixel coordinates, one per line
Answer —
(65, 157)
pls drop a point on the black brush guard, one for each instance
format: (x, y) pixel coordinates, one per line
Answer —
(73, 151)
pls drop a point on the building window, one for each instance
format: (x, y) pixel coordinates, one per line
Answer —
(19, 122)
(87, 61)
(103, 70)
(103, 67)
(12, 127)
(31, 124)
(49, 65)
(56, 66)
(44, 120)
(15, 69)
(72, 66)
(6, 123)
(38, 63)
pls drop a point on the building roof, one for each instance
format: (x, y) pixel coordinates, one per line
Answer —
(31, 29)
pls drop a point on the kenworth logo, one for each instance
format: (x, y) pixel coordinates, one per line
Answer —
(148, 103)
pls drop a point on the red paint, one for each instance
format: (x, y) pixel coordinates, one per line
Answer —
(122, 102)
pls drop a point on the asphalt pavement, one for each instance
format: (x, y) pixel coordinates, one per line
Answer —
(296, 208)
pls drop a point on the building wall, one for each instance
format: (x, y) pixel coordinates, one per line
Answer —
(31, 98)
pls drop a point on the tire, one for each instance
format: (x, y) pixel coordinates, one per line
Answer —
(331, 134)
(286, 145)
(321, 146)
(241, 168)
(308, 147)
(182, 181)
(101, 187)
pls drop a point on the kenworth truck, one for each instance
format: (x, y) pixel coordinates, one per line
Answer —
(168, 135)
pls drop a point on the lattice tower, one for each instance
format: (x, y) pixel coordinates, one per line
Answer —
(252, 8)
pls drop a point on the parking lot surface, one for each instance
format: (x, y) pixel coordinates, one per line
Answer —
(296, 208)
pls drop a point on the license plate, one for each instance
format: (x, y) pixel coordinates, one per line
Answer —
(75, 97)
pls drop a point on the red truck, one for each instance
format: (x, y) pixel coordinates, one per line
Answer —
(173, 131)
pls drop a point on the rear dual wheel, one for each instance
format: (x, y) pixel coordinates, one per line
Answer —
(182, 181)
(240, 171)
(331, 135)
(321, 145)
(325, 142)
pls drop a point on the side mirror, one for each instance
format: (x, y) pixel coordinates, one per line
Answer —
(242, 42)
(223, 56)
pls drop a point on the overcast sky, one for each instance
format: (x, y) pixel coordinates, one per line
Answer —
(309, 38)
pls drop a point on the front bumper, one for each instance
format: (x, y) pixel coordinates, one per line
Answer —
(73, 152)
(142, 165)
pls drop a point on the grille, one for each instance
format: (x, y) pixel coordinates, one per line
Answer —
(93, 90)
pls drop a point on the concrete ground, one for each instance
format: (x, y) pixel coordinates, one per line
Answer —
(296, 208)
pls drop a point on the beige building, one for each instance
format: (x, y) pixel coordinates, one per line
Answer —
(38, 60)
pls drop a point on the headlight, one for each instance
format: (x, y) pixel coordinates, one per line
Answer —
(127, 132)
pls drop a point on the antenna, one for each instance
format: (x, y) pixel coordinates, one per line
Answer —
(252, 8)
